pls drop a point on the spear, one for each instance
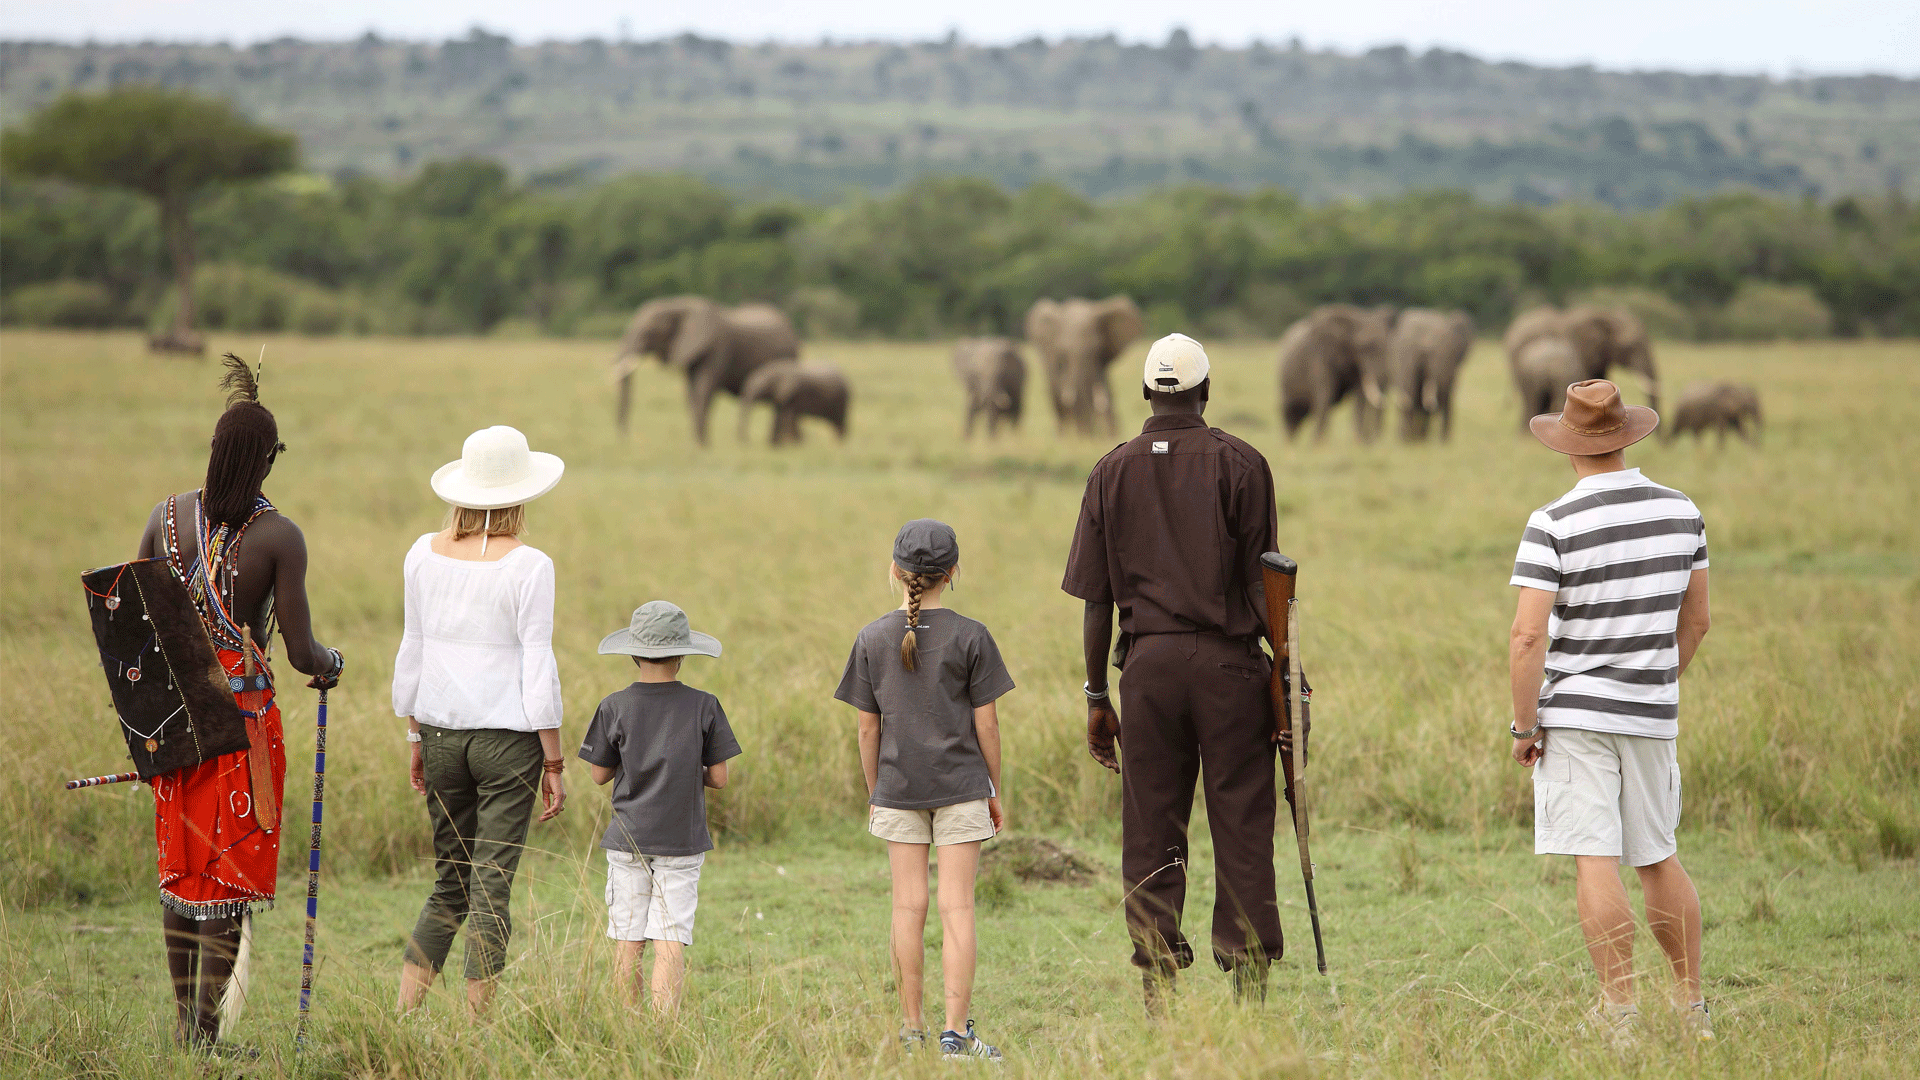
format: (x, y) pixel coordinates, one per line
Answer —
(96, 781)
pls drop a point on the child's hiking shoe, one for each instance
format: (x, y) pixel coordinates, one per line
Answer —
(1699, 1022)
(968, 1047)
(1617, 1025)
(912, 1039)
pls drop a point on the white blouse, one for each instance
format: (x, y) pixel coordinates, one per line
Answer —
(478, 646)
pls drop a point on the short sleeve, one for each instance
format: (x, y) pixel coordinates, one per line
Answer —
(1700, 553)
(602, 745)
(1537, 565)
(989, 678)
(718, 745)
(1087, 576)
(856, 683)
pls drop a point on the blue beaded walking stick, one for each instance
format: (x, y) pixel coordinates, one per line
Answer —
(313, 869)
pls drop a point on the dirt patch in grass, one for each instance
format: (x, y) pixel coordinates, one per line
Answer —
(1035, 858)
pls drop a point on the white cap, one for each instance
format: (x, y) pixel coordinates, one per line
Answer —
(1175, 363)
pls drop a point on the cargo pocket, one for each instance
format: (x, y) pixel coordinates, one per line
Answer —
(1673, 799)
(1245, 671)
(1552, 776)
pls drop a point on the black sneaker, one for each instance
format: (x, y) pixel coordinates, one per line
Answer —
(968, 1047)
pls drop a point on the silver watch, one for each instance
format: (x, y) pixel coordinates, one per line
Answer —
(413, 736)
(1527, 734)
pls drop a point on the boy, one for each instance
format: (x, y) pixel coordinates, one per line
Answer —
(1620, 565)
(664, 742)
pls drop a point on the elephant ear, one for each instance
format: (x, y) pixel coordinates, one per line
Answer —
(700, 332)
(1120, 323)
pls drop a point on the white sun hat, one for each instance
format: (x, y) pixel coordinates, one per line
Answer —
(496, 470)
(1175, 363)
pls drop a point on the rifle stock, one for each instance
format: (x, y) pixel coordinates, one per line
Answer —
(1277, 574)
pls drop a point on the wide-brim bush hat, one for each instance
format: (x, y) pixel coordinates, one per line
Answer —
(496, 470)
(1594, 421)
(659, 631)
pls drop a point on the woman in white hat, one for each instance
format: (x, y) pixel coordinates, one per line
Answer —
(476, 681)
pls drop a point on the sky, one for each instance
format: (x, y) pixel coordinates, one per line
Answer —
(1780, 37)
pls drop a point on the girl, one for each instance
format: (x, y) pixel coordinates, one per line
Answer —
(925, 686)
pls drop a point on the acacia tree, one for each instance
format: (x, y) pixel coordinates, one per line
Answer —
(165, 144)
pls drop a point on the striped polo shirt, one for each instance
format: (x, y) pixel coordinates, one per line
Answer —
(1616, 552)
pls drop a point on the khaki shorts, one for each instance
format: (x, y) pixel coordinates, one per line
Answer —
(961, 823)
(652, 897)
(1596, 793)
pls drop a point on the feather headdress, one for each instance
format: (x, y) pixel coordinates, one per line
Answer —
(241, 383)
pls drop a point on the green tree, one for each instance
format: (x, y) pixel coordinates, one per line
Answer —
(167, 145)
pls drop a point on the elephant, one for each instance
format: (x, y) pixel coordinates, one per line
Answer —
(1423, 356)
(1543, 369)
(1602, 338)
(1077, 339)
(995, 376)
(717, 348)
(1717, 407)
(796, 390)
(1335, 351)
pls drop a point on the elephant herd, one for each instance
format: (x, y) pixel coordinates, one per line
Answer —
(1383, 358)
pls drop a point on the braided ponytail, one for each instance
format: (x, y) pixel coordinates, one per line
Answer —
(910, 645)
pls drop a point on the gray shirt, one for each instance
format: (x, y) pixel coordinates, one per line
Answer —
(658, 737)
(929, 755)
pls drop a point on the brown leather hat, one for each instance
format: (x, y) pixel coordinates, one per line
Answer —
(1594, 421)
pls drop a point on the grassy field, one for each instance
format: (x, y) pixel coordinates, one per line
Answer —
(1455, 948)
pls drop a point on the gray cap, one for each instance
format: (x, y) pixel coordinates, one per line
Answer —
(926, 546)
(659, 630)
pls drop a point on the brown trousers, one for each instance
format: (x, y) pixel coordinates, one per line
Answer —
(1194, 704)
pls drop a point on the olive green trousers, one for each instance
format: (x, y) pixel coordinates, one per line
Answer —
(481, 789)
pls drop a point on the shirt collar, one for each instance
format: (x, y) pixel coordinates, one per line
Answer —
(1619, 479)
(1171, 421)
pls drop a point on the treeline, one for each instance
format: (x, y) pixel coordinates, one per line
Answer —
(461, 248)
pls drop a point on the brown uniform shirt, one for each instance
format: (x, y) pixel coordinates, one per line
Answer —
(1171, 531)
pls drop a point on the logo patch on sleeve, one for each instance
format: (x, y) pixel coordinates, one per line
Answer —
(1159, 447)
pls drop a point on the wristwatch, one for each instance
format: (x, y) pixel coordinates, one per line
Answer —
(1527, 734)
(413, 736)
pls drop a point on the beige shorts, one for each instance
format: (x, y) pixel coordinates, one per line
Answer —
(1596, 793)
(961, 823)
(652, 897)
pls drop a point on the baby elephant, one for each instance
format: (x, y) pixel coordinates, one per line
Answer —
(995, 377)
(1717, 407)
(796, 390)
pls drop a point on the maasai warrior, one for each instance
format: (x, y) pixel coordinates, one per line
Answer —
(1171, 532)
(245, 565)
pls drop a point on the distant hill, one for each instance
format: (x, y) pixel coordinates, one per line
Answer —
(1102, 116)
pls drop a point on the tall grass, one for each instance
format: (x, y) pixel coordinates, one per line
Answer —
(1800, 712)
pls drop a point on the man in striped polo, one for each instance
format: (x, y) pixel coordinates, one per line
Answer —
(1613, 604)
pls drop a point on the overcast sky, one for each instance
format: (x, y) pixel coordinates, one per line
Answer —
(1777, 36)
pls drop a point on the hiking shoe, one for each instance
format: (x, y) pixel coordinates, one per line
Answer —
(968, 1047)
(1617, 1025)
(912, 1039)
(1699, 1022)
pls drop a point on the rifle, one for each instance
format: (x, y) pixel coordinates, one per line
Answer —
(1283, 630)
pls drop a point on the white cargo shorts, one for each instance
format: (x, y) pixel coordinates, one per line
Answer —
(1598, 793)
(652, 897)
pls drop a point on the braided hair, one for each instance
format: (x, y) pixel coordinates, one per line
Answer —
(915, 584)
(245, 441)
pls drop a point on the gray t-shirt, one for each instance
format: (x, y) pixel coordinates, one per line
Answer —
(659, 736)
(928, 753)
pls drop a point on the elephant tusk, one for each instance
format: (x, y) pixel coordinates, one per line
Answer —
(623, 368)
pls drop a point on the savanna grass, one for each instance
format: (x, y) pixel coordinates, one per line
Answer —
(1798, 718)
